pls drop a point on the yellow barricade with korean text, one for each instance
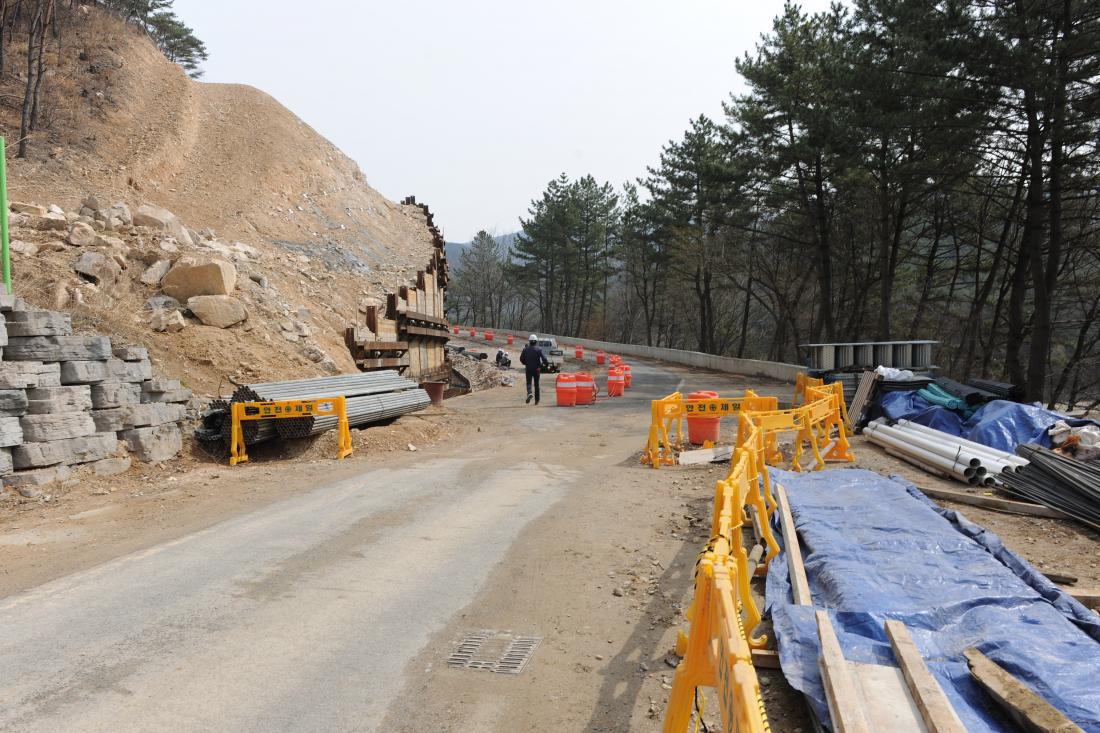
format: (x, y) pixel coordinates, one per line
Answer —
(241, 412)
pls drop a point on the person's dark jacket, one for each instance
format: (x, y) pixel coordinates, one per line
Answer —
(532, 358)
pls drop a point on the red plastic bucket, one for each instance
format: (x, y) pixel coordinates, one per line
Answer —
(702, 429)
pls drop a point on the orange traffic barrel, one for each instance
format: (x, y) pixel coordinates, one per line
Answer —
(615, 382)
(472, 333)
(456, 330)
(601, 357)
(579, 352)
(586, 388)
(626, 375)
(616, 359)
(702, 429)
(567, 390)
(510, 339)
(488, 335)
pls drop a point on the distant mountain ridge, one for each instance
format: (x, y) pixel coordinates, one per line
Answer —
(455, 249)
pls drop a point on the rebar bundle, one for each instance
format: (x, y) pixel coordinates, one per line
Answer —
(1057, 481)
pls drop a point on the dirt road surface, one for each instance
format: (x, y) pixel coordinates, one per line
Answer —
(335, 608)
(316, 595)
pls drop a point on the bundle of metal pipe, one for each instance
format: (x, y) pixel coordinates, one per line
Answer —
(1057, 481)
(361, 411)
(942, 454)
(345, 385)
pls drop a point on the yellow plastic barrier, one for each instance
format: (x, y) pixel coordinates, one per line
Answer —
(717, 649)
(284, 409)
(668, 415)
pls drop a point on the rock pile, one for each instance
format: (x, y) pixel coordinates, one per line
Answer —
(67, 399)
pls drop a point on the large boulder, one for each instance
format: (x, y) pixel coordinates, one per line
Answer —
(155, 217)
(159, 443)
(21, 208)
(50, 221)
(221, 311)
(103, 271)
(191, 276)
(81, 235)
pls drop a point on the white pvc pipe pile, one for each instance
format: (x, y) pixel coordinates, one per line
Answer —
(940, 453)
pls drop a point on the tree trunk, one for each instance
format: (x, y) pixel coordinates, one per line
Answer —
(28, 91)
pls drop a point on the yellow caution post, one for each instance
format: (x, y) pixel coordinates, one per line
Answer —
(287, 409)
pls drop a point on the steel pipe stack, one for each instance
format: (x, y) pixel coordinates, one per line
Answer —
(369, 409)
(344, 385)
(370, 397)
(1057, 481)
(942, 454)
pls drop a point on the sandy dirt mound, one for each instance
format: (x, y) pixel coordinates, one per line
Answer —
(124, 124)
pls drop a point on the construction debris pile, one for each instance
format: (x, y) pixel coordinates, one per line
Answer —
(371, 397)
(70, 399)
(477, 371)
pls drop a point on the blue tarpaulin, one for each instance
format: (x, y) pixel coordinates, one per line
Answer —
(878, 549)
(1000, 424)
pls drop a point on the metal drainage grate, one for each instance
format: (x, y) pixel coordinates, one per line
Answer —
(494, 651)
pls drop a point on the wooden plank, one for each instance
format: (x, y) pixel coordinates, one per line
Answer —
(991, 502)
(1088, 597)
(1060, 578)
(860, 399)
(935, 709)
(845, 702)
(765, 658)
(1031, 712)
(800, 585)
(887, 705)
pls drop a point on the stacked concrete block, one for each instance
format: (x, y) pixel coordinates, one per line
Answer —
(164, 390)
(68, 399)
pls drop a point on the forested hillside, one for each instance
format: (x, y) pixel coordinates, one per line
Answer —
(896, 169)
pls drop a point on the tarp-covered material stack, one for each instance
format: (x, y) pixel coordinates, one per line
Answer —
(999, 424)
(878, 549)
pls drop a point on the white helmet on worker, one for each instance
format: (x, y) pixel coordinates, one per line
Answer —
(533, 338)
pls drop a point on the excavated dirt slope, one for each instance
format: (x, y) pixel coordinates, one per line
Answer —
(124, 124)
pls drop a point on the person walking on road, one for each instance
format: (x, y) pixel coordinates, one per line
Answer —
(533, 361)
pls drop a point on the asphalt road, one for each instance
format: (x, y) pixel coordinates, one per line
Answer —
(302, 615)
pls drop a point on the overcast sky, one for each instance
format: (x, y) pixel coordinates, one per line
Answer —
(474, 105)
